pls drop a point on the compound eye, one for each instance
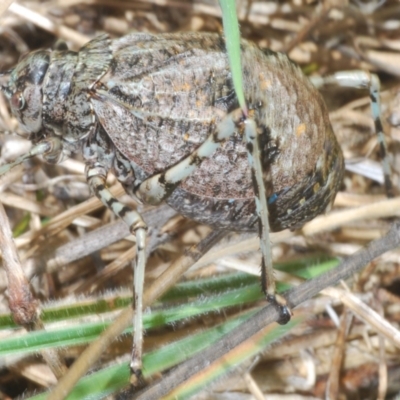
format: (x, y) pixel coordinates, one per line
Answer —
(17, 101)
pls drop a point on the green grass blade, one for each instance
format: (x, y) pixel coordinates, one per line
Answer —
(82, 333)
(232, 38)
(208, 297)
(231, 360)
(108, 380)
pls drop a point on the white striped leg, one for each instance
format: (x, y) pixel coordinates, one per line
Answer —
(50, 148)
(260, 196)
(370, 82)
(157, 188)
(96, 177)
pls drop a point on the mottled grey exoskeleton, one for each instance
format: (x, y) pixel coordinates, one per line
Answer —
(160, 112)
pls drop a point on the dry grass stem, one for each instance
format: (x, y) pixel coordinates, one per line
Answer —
(367, 314)
(70, 245)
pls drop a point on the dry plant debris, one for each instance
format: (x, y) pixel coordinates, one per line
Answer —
(335, 351)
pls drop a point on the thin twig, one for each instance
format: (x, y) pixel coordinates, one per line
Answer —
(103, 237)
(270, 314)
(23, 305)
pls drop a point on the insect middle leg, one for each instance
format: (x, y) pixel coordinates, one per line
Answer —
(96, 178)
(159, 187)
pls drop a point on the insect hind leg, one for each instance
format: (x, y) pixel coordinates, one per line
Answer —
(260, 197)
(96, 177)
(364, 80)
(158, 187)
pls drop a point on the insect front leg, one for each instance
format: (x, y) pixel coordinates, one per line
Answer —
(96, 177)
(50, 149)
(370, 82)
(260, 197)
